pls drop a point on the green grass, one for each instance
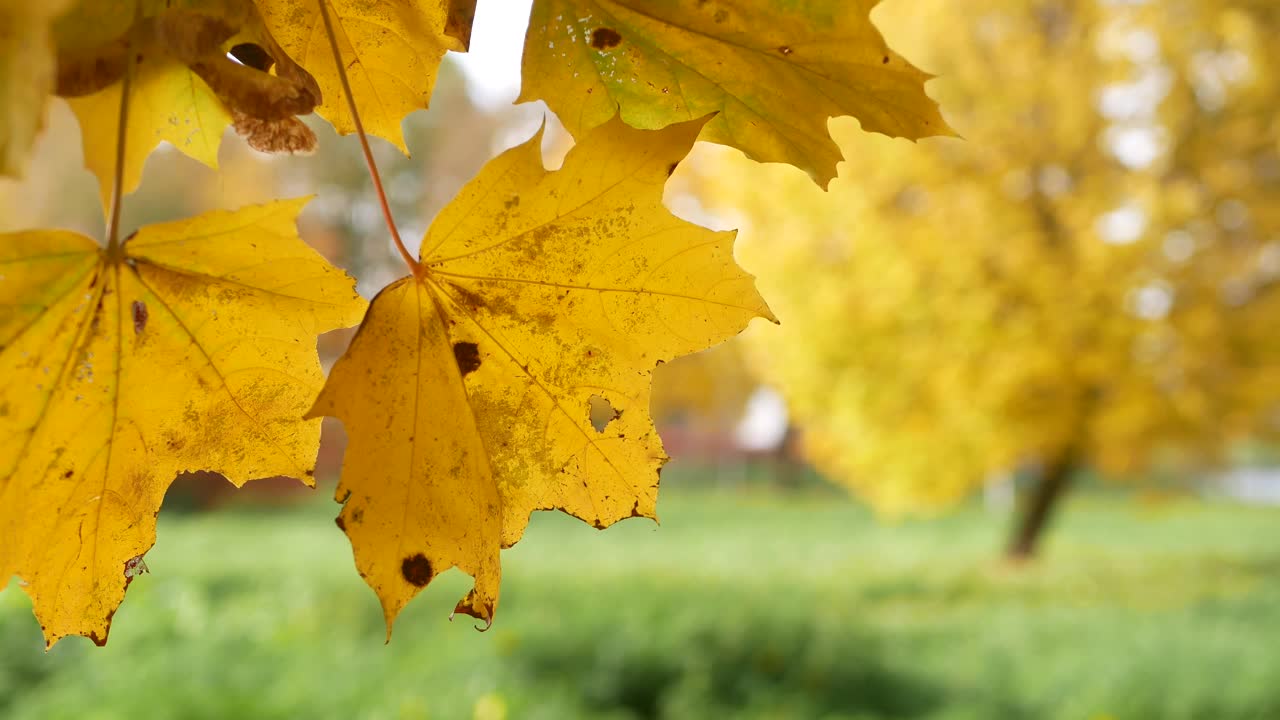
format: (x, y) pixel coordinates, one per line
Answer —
(744, 605)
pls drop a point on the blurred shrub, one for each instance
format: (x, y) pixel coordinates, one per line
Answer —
(675, 660)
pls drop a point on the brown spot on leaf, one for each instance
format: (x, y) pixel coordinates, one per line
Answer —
(885, 60)
(603, 38)
(140, 316)
(342, 525)
(466, 298)
(672, 168)
(468, 356)
(416, 570)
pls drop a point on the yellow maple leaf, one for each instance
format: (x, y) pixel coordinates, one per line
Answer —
(168, 103)
(99, 43)
(191, 346)
(392, 51)
(467, 393)
(26, 76)
(775, 71)
(182, 86)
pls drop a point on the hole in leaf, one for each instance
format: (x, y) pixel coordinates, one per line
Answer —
(135, 566)
(251, 55)
(602, 413)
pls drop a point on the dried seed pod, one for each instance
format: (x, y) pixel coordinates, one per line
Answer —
(189, 35)
(254, 92)
(84, 73)
(287, 135)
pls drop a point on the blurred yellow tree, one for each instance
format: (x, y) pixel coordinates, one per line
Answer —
(1089, 278)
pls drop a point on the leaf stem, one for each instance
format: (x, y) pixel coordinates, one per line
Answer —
(117, 179)
(414, 266)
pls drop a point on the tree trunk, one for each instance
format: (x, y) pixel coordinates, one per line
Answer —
(1037, 509)
(782, 459)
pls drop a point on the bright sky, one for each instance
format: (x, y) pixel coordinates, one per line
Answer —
(492, 66)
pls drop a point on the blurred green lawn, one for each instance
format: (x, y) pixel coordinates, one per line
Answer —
(749, 604)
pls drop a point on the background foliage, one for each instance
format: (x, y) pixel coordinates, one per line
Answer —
(1087, 279)
(747, 604)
